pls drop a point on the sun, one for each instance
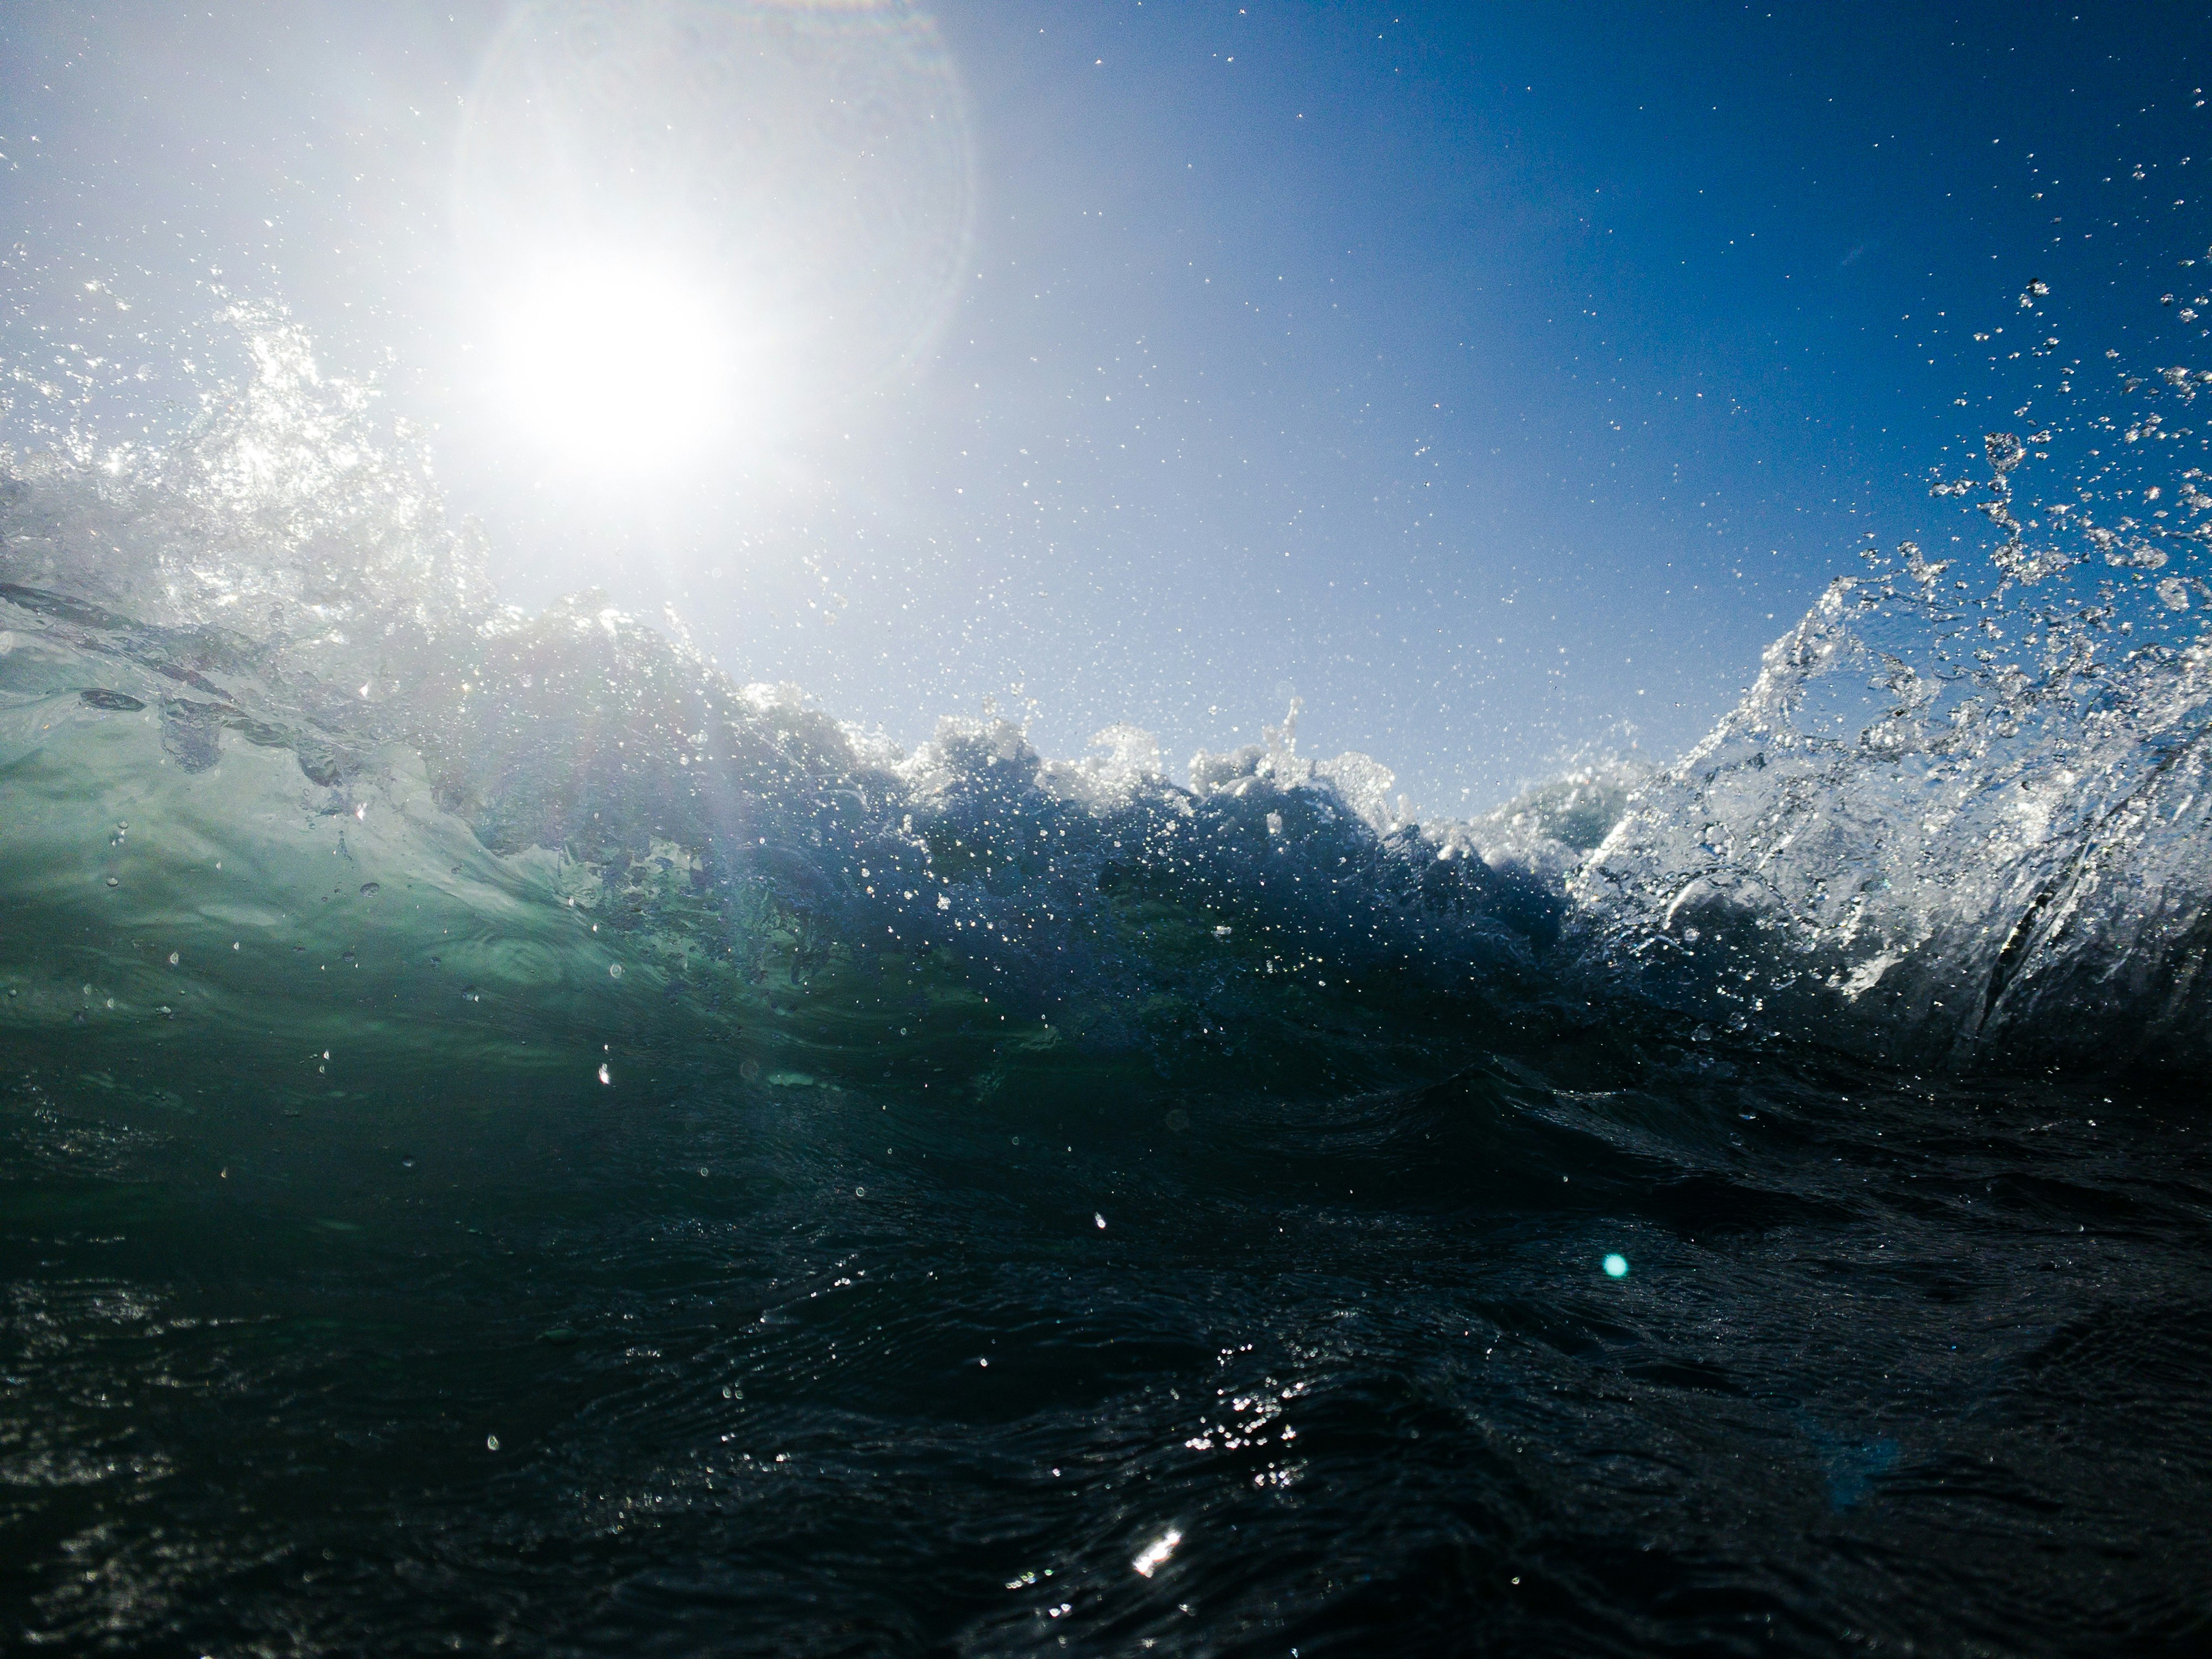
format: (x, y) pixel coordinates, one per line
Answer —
(619, 363)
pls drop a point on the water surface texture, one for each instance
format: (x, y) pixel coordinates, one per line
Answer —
(512, 1137)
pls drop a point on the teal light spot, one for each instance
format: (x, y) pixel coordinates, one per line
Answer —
(1616, 1267)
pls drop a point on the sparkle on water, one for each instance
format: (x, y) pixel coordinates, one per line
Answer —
(1154, 1554)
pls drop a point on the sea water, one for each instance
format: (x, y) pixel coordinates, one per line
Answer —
(512, 1137)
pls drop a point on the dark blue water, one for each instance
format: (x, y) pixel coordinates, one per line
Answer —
(435, 1357)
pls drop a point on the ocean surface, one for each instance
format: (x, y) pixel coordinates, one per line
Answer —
(512, 1137)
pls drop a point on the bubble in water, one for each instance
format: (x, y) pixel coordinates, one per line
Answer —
(1616, 1267)
(605, 1076)
(371, 889)
(1100, 1219)
(491, 1442)
(614, 971)
(172, 958)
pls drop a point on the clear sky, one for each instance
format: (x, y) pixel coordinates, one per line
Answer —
(1496, 378)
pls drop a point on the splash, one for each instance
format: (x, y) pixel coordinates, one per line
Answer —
(1955, 821)
(1960, 816)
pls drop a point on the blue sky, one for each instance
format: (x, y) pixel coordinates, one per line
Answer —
(1496, 378)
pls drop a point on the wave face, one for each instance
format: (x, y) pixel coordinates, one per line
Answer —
(511, 1136)
(1955, 821)
(265, 649)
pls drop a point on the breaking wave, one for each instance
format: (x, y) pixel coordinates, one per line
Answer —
(266, 731)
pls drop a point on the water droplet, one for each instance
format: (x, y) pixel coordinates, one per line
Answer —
(1100, 1219)
(605, 1076)
(614, 971)
(860, 1191)
(1616, 1267)
(114, 881)
(491, 1442)
(371, 889)
(172, 958)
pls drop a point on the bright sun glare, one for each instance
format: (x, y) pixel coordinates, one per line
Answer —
(618, 363)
